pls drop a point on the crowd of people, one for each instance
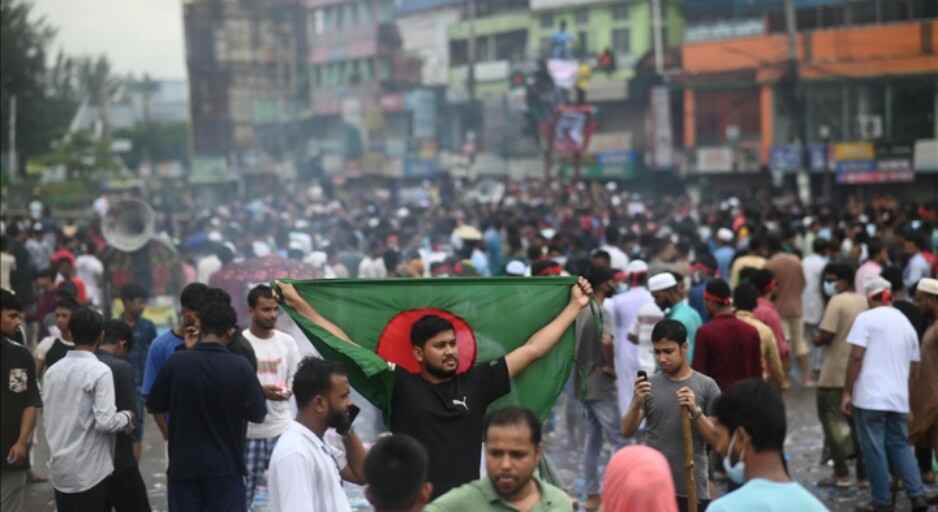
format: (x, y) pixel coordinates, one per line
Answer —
(710, 310)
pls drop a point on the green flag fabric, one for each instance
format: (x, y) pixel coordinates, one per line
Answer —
(502, 314)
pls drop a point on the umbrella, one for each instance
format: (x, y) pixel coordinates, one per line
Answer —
(237, 278)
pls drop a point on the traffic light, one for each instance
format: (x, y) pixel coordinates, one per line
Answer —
(517, 79)
(607, 61)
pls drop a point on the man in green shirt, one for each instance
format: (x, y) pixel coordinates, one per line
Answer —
(512, 452)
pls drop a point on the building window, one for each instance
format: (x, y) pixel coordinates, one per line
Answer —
(620, 12)
(458, 52)
(581, 16)
(510, 45)
(482, 49)
(384, 70)
(621, 41)
(547, 20)
(545, 46)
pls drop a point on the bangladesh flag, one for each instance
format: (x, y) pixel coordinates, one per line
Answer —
(491, 317)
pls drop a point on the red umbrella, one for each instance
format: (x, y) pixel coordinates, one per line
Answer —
(237, 278)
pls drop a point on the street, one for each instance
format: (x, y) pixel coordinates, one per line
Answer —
(803, 445)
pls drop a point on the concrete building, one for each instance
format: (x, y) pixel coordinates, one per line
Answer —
(861, 92)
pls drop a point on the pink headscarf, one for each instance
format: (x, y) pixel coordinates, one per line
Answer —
(638, 478)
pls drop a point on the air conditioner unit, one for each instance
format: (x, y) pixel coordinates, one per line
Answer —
(869, 127)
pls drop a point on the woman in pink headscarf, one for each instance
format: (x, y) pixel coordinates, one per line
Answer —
(638, 478)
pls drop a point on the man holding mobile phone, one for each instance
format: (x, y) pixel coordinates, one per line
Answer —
(663, 397)
(306, 473)
(277, 358)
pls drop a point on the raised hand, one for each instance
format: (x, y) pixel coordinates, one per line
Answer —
(580, 293)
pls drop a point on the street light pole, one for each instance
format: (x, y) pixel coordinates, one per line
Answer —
(471, 53)
(13, 138)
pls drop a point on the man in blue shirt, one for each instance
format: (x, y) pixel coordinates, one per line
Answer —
(561, 41)
(705, 269)
(135, 298)
(668, 296)
(164, 345)
(750, 429)
(724, 252)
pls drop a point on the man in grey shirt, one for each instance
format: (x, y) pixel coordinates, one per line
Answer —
(662, 398)
(595, 355)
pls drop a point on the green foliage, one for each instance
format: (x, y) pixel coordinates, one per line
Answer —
(23, 42)
(81, 155)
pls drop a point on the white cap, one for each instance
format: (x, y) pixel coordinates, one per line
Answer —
(515, 268)
(215, 236)
(636, 267)
(928, 285)
(875, 286)
(261, 250)
(662, 281)
(725, 235)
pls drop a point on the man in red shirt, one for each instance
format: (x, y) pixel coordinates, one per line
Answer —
(728, 350)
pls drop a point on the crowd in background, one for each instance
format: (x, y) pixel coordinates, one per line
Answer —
(753, 296)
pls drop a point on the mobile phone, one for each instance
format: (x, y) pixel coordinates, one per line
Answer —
(642, 375)
(353, 411)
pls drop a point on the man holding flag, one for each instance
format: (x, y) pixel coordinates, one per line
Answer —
(440, 406)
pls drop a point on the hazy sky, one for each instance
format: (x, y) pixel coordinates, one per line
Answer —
(136, 35)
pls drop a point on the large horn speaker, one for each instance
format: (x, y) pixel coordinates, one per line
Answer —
(128, 225)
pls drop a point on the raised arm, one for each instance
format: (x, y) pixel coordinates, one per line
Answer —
(289, 297)
(541, 342)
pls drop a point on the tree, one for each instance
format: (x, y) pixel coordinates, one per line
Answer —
(82, 154)
(23, 42)
(98, 85)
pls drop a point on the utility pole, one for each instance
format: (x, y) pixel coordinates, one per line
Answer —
(471, 53)
(12, 138)
(802, 182)
(656, 35)
(146, 118)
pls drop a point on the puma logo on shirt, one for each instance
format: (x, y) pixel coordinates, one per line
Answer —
(461, 402)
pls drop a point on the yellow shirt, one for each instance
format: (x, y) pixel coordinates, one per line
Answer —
(772, 370)
(583, 76)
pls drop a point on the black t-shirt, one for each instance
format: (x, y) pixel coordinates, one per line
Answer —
(125, 398)
(914, 316)
(56, 352)
(447, 418)
(18, 370)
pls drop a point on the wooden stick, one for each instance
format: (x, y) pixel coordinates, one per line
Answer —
(689, 459)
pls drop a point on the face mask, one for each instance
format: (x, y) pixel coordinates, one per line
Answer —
(622, 288)
(830, 288)
(737, 472)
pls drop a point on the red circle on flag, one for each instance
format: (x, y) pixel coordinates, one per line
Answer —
(394, 345)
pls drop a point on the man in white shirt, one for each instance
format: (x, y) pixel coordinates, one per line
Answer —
(813, 267)
(89, 269)
(626, 307)
(305, 473)
(80, 420)
(884, 350)
(372, 265)
(277, 358)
